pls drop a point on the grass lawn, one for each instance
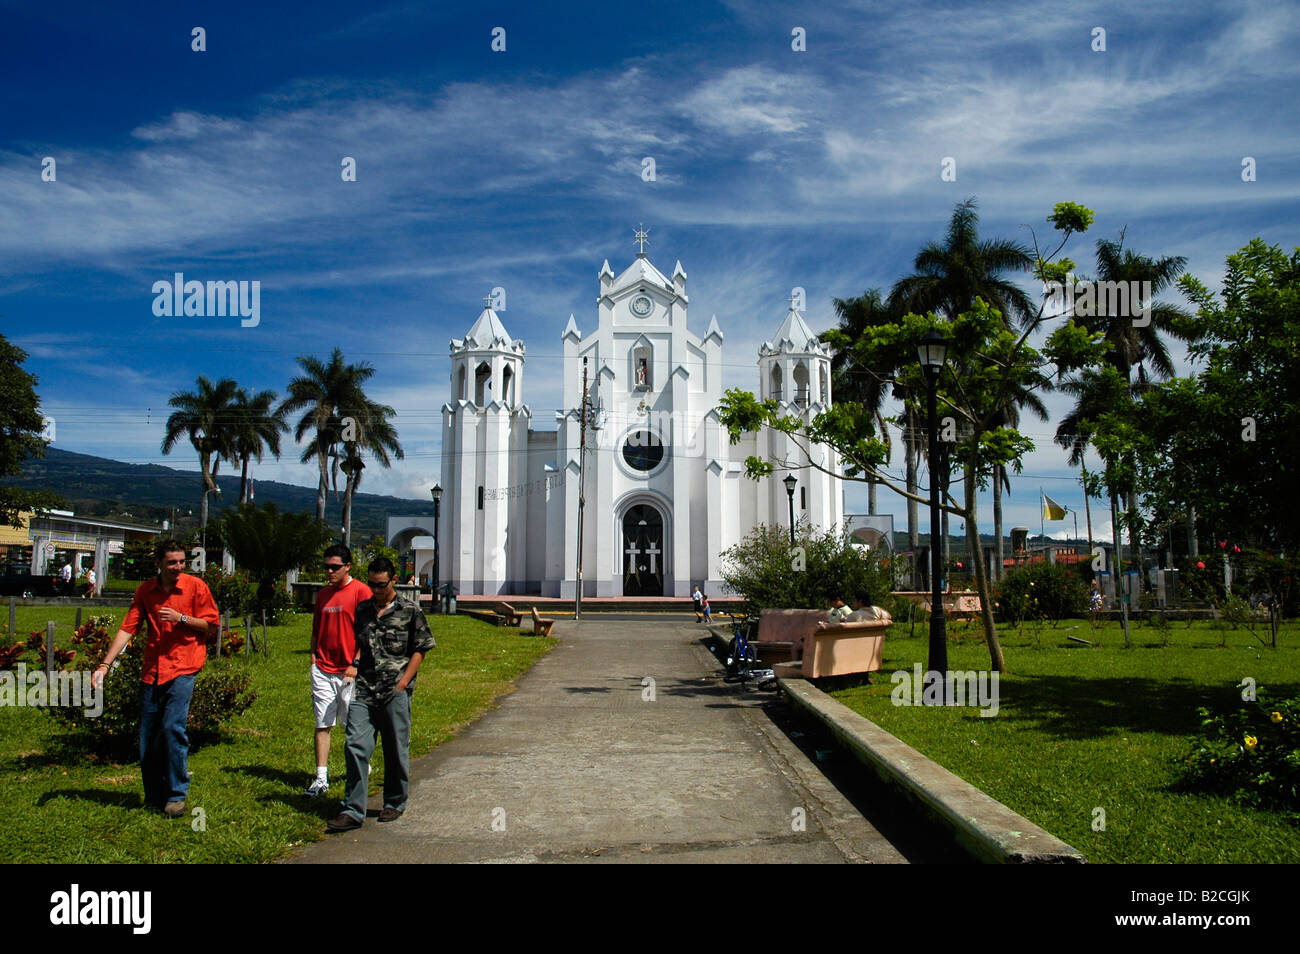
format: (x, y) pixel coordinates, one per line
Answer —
(61, 806)
(1081, 728)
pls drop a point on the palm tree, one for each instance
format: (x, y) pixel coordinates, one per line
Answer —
(256, 428)
(858, 383)
(375, 435)
(321, 394)
(948, 279)
(206, 417)
(1133, 347)
(950, 276)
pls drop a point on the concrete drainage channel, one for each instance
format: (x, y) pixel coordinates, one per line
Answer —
(929, 814)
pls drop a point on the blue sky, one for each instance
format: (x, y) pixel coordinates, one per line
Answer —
(522, 169)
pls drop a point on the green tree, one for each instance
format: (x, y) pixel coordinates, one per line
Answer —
(374, 435)
(1226, 442)
(21, 426)
(268, 543)
(1133, 344)
(206, 417)
(321, 394)
(989, 366)
(256, 428)
(949, 277)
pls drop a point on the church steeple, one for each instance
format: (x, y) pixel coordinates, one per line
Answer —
(487, 364)
(794, 367)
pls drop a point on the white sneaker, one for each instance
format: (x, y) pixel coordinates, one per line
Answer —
(317, 788)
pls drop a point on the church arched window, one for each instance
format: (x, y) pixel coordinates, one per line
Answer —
(825, 385)
(801, 384)
(508, 386)
(483, 384)
(460, 384)
(774, 383)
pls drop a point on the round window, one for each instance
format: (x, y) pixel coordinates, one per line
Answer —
(643, 450)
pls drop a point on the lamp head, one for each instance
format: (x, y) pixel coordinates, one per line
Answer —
(790, 481)
(933, 352)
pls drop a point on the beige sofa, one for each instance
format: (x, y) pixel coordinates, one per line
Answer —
(793, 645)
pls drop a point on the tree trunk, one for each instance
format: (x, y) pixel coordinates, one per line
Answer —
(1087, 506)
(1116, 572)
(913, 525)
(996, 659)
(243, 480)
(323, 486)
(871, 499)
(998, 472)
(1136, 548)
(207, 486)
(1192, 549)
(347, 513)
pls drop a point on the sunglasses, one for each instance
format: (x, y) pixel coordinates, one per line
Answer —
(331, 567)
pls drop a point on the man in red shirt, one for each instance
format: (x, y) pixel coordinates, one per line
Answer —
(333, 646)
(180, 613)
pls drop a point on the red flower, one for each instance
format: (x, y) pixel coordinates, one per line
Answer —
(1200, 565)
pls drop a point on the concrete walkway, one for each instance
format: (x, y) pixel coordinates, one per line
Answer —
(584, 762)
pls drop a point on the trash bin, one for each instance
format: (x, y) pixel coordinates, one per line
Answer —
(449, 592)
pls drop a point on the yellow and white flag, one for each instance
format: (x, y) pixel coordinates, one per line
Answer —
(1052, 510)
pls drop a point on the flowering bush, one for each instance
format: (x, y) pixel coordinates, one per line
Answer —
(1252, 755)
(1040, 591)
(222, 691)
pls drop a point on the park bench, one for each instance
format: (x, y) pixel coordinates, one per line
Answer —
(507, 613)
(541, 627)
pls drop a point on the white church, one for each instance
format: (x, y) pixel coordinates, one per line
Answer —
(665, 492)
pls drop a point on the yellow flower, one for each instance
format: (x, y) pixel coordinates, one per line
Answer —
(1251, 742)
(1276, 717)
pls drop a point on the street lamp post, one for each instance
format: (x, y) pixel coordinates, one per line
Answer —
(436, 493)
(933, 351)
(790, 482)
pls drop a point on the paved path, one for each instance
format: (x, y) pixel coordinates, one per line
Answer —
(581, 764)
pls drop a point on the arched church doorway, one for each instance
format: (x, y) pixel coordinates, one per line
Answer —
(643, 551)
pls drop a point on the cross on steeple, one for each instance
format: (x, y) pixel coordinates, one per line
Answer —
(793, 299)
(487, 301)
(642, 238)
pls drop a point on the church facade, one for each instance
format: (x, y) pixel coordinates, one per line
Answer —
(665, 492)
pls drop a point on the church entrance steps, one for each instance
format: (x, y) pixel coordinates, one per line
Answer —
(550, 606)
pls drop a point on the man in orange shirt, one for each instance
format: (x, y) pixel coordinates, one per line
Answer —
(333, 645)
(180, 613)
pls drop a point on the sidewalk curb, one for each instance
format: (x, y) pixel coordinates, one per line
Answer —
(982, 825)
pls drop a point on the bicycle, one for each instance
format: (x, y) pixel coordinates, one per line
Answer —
(741, 659)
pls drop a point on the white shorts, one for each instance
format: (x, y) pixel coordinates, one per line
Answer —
(330, 695)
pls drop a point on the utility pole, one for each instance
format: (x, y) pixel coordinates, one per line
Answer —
(582, 501)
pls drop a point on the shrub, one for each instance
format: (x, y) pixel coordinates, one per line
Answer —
(221, 692)
(237, 596)
(1251, 755)
(1040, 591)
(763, 567)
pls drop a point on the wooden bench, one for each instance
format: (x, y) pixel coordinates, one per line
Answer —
(509, 616)
(541, 627)
(839, 650)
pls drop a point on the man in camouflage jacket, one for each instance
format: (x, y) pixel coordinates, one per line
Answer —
(392, 640)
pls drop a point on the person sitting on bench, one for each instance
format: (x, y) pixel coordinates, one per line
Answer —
(863, 611)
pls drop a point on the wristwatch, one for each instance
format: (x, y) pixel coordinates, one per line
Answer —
(184, 619)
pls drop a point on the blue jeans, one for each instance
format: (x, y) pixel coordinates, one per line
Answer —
(164, 741)
(393, 721)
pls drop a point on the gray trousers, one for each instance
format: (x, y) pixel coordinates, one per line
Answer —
(393, 722)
